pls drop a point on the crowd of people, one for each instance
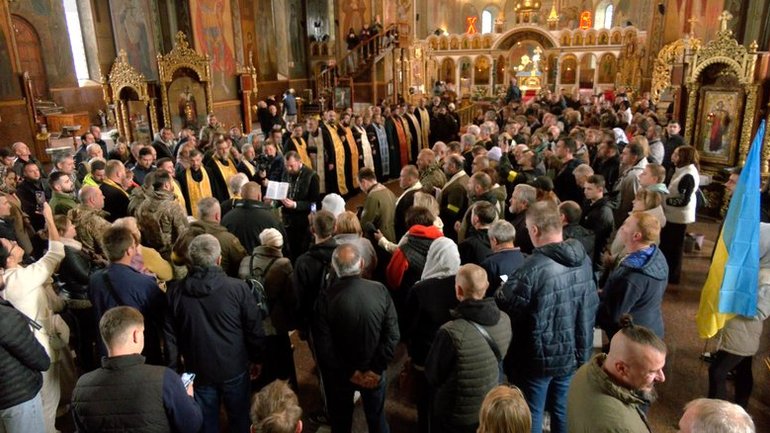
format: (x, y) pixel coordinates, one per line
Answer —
(507, 243)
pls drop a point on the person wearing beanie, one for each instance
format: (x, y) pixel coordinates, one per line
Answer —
(268, 263)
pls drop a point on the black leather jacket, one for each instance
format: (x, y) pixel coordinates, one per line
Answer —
(74, 273)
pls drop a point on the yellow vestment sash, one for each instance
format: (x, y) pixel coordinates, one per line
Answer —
(339, 159)
(197, 190)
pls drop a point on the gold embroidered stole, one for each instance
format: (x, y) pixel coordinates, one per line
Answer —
(197, 190)
(115, 185)
(412, 119)
(353, 153)
(226, 171)
(425, 124)
(403, 140)
(250, 167)
(318, 161)
(339, 159)
(301, 148)
(179, 196)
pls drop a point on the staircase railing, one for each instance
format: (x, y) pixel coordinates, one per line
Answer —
(367, 53)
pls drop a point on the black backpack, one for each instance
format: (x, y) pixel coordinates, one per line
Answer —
(256, 282)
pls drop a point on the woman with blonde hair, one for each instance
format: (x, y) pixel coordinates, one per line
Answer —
(504, 410)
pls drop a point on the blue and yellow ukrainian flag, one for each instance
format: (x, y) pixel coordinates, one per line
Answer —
(731, 286)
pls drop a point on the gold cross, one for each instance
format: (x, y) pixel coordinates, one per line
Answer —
(724, 17)
(692, 22)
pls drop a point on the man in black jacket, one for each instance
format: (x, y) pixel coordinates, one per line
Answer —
(31, 185)
(464, 361)
(151, 398)
(552, 301)
(564, 184)
(115, 197)
(597, 215)
(571, 229)
(21, 362)
(303, 194)
(250, 216)
(355, 333)
(214, 324)
(475, 248)
(311, 267)
(522, 198)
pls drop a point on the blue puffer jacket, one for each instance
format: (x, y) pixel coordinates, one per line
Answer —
(635, 287)
(552, 302)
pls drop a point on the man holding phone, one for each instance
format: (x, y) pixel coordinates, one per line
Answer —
(32, 192)
(125, 378)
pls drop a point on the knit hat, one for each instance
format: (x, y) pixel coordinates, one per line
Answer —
(334, 204)
(495, 154)
(271, 238)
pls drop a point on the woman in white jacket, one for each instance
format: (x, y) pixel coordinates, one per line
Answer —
(29, 290)
(679, 207)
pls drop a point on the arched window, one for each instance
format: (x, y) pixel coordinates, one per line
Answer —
(72, 17)
(487, 21)
(604, 14)
(608, 12)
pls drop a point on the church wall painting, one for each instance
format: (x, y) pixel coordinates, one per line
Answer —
(247, 30)
(47, 17)
(132, 23)
(213, 34)
(264, 38)
(281, 41)
(9, 83)
(717, 135)
(237, 33)
(297, 59)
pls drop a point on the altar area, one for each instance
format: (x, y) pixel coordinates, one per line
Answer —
(582, 61)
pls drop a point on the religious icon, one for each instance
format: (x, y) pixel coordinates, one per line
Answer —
(471, 25)
(188, 110)
(717, 134)
(585, 20)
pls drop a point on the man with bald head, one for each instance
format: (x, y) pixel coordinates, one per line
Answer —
(705, 415)
(355, 333)
(611, 391)
(431, 175)
(23, 156)
(90, 223)
(465, 359)
(250, 216)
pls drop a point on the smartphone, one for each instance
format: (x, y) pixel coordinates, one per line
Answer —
(312, 207)
(39, 201)
(187, 379)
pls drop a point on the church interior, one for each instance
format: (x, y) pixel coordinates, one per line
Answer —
(133, 67)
